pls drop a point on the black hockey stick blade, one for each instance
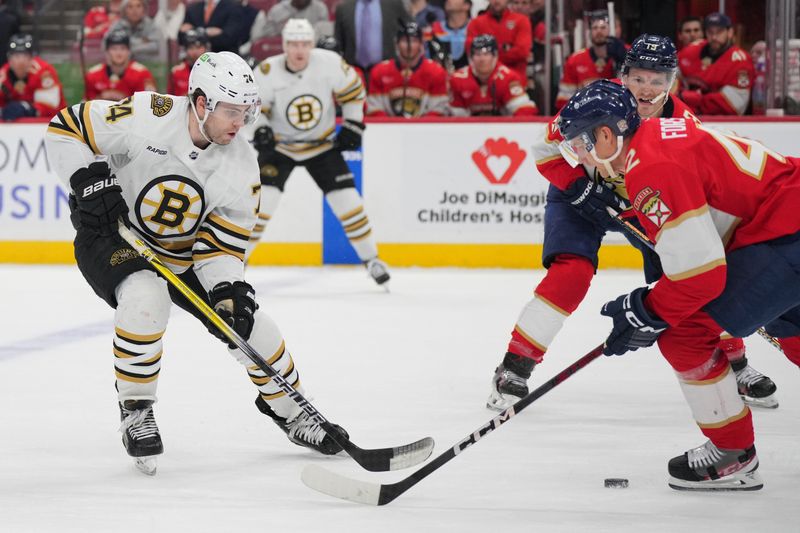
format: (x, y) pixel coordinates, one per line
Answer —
(378, 460)
(369, 493)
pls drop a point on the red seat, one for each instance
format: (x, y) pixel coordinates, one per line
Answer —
(263, 5)
(266, 47)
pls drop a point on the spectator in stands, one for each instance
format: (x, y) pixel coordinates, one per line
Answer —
(9, 25)
(145, 38)
(425, 14)
(511, 30)
(119, 77)
(314, 11)
(601, 60)
(221, 20)
(716, 75)
(690, 30)
(99, 19)
(409, 85)
(30, 85)
(486, 86)
(195, 43)
(169, 18)
(365, 30)
(452, 32)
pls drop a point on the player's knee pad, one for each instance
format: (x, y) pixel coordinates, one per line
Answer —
(143, 303)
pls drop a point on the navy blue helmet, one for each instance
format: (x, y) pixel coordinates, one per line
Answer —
(409, 30)
(602, 103)
(484, 42)
(652, 52)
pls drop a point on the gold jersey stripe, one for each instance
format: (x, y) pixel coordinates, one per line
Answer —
(59, 131)
(87, 124)
(230, 226)
(125, 377)
(353, 84)
(356, 225)
(267, 397)
(352, 213)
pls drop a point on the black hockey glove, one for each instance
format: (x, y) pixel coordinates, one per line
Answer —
(98, 203)
(264, 143)
(634, 326)
(349, 137)
(615, 49)
(591, 199)
(235, 303)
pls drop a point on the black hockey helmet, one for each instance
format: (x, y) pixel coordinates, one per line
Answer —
(118, 36)
(409, 30)
(652, 52)
(328, 42)
(483, 43)
(21, 43)
(196, 36)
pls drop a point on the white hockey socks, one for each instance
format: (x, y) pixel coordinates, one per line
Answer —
(348, 206)
(143, 306)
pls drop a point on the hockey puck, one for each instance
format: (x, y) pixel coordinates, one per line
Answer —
(616, 483)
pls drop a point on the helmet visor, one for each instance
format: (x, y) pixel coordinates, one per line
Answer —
(246, 114)
(575, 150)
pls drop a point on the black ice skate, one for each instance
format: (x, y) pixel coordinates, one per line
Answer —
(510, 381)
(708, 468)
(377, 270)
(755, 388)
(303, 431)
(140, 434)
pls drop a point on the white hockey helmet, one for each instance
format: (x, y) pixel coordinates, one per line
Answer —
(224, 77)
(298, 30)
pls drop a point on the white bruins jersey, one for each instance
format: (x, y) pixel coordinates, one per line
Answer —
(194, 207)
(301, 106)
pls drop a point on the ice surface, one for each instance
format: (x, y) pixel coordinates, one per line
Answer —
(391, 368)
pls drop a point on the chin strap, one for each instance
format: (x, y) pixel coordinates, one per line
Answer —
(607, 162)
(660, 99)
(200, 123)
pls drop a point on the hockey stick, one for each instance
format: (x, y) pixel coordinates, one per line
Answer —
(374, 460)
(644, 239)
(369, 493)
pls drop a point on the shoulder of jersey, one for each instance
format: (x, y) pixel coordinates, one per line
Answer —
(97, 68)
(180, 66)
(737, 54)
(269, 65)
(462, 73)
(151, 108)
(326, 55)
(135, 65)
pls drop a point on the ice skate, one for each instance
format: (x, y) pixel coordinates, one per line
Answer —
(510, 382)
(378, 271)
(708, 468)
(140, 434)
(303, 431)
(755, 388)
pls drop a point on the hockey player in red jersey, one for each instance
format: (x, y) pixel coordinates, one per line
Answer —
(722, 211)
(512, 31)
(575, 223)
(196, 43)
(486, 86)
(30, 86)
(409, 85)
(119, 77)
(716, 74)
(601, 60)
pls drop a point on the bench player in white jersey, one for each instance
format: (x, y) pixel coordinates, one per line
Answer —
(175, 170)
(299, 91)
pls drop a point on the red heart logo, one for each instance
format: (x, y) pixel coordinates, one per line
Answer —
(498, 160)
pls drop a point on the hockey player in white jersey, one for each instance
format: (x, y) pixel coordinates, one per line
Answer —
(176, 172)
(299, 91)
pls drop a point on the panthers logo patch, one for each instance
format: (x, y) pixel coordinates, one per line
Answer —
(170, 206)
(160, 104)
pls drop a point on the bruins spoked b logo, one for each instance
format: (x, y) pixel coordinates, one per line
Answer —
(304, 112)
(170, 206)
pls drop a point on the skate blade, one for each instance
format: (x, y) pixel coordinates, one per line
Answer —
(767, 402)
(500, 402)
(146, 465)
(739, 481)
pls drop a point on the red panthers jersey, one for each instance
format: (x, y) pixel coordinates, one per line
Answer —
(502, 94)
(178, 83)
(582, 68)
(101, 83)
(40, 88)
(407, 92)
(513, 34)
(699, 192)
(97, 22)
(718, 86)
